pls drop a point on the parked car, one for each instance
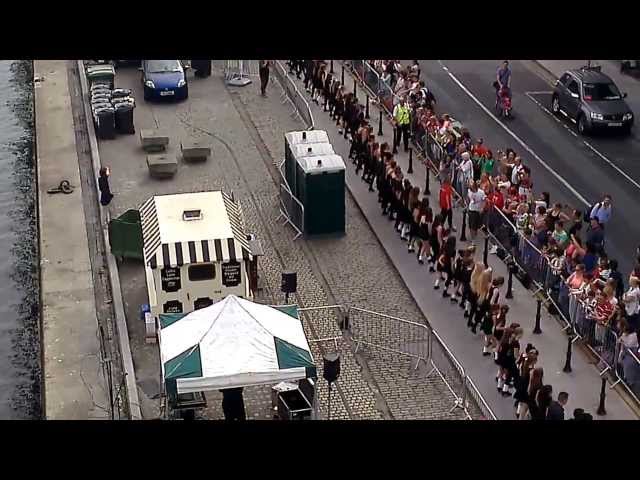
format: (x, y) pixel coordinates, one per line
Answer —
(589, 98)
(164, 79)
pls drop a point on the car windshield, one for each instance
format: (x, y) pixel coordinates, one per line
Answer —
(601, 91)
(163, 66)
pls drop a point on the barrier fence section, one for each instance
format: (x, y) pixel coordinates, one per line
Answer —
(422, 344)
(291, 209)
(293, 94)
(602, 340)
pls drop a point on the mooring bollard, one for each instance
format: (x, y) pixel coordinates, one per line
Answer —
(427, 178)
(567, 363)
(509, 294)
(380, 125)
(537, 329)
(410, 169)
(603, 388)
(366, 109)
(355, 88)
(342, 78)
(395, 138)
(485, 254)
(463, 232)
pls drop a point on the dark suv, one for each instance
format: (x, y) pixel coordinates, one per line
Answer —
(591, 99)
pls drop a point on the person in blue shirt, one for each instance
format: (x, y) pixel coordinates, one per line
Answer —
(503, 77)
(602, 211)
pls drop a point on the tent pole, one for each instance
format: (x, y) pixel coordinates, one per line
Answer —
(329, 404)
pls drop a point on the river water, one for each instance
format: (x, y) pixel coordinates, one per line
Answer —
(20, 378)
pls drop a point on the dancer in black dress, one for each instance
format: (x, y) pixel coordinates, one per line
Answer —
(543, 400)
(326, 92)
(318, 83)
(424, 221)
(458, 266)
(381, 171)
(396, 188)
(491, 298)
(404, 222)
(526, 366)
(500, 323)
(488, 321)
(387, 187)
(338, 107)
(414, 210)
(445, 264)
(507, 356)
(435, 240)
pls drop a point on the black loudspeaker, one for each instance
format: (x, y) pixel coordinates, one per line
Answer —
(289, 282)
(331, 370)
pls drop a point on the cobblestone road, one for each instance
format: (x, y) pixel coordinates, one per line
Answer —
(246, 135)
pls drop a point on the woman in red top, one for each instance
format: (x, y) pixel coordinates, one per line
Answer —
(446, 203)
(496, 199)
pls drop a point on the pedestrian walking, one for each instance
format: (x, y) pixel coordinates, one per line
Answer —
(402, 119)
(264, 76)
(543, 401)
(103, 185)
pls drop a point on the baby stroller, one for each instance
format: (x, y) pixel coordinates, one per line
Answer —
(503, 101)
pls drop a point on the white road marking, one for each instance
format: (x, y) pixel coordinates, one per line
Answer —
(528, 94)
(587, 144)
(518, 139)
(547, 92)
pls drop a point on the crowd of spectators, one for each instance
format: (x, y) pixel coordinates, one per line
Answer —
(573, 241)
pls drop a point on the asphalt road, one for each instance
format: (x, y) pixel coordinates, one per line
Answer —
(574, 170)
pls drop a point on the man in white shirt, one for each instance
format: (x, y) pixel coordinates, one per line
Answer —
(465, 174)
(631, 301)
(476, 198)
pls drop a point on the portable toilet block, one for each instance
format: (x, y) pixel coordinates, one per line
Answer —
(321, 190)
(300, 152)
(293, 139)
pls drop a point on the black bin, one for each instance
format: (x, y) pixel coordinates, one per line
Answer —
(105, 123)
(124, 118)
(202, 68)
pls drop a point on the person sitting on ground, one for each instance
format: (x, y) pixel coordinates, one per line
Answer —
(556, 409)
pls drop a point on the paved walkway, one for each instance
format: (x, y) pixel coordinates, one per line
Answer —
(74, 386)
(583, 384)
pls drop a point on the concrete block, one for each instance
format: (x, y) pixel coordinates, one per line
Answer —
(153, 140)
(194, 150)
(162, 166)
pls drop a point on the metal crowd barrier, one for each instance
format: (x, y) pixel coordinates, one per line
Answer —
(292, 94)
(422, 344)
(290, 207)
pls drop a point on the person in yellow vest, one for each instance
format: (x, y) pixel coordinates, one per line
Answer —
(402, 120)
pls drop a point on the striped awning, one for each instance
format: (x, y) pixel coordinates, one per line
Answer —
(180, 253)
(177, 254)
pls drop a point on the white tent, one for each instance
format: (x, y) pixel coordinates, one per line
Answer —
(233, 343)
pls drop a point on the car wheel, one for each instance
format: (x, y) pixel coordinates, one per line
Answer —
(555, 105)
(583, 128)
(626, 130)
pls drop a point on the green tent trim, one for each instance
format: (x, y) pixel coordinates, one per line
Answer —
(167, 319)
(290, 356)
(186, 365)
(291, 310)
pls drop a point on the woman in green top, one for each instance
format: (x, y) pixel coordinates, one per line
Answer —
(487, 163)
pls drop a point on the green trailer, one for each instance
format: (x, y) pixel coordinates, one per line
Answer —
(320, 182)
(125, 236)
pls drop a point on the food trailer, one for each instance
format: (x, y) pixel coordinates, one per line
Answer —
(195, 250)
